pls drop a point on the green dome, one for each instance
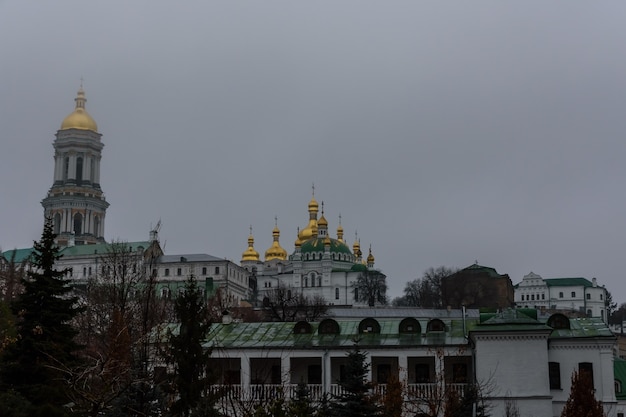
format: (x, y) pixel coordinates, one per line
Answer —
(359, 268)
(317, 245)
(338, 250)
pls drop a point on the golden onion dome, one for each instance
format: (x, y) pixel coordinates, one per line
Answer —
(313, 206)
(327, 241)
(322, 221)
(370, 257)
(79, 118)
(275, 251)
(356, 248)
(250, 254)
(309, 232)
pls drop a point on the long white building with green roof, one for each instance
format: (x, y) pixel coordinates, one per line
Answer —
(515, 356)
(565, 294)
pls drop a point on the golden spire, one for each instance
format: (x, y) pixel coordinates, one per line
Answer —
(298, 242)
(250, 254)
(340, 230)
(356, 246)
(310, 231)
(275, 251)
(370, 258)
(79, 118)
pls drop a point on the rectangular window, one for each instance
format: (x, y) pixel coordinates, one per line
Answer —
(532, 297)
(554, 370)
(459, 373)
(600, 296)
(383, 372)
(422, 373)
(167, 272)
(588, 296)
(585, 369)
(179, 271)
(204, 270)
(573, 294)
(560, 295)
(543, 296)
(315, 374)
(217, 269)
(336, 293)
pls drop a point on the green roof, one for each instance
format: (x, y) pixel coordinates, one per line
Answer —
(99, 249)
(583, 327)
(619, 370)
(523, 320)
(317, 245)
(568, 282)
(265, 335)
(21, 255)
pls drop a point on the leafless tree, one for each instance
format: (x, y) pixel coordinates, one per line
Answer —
(371, 287)
(122, 311)
(283, 304)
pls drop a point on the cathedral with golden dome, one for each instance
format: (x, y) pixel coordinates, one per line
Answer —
(318, 266)
(75, 202)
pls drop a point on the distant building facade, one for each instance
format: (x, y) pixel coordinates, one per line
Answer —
(477, 286)
(567, 294)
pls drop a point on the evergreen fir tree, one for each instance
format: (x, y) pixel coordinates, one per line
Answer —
(192, 377)
(37, 364)
(355, 399)
(582, 401)
(301, 405)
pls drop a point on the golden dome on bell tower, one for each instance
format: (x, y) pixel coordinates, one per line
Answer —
(79, 118)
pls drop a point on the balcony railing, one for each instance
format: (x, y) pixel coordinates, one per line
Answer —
(316, 391)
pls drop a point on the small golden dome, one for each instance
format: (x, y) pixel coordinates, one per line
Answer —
(79, 118)
(275, 251)
(327, 241)
(370, 257)
(322, 221)
(250, 254)
(313, 206)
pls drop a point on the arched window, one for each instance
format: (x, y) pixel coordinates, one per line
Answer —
(96, 226)
(319, 281)
(558, 321)
(79, 169)
(302, 327)
(57, 224)
(369, 325)
(409, 325)
(435, 325)
(328, 326)
(66, 168)
(78, 224)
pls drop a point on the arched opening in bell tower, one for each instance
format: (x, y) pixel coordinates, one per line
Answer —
(78, 224)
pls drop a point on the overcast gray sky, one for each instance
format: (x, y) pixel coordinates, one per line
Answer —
(444, 132)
